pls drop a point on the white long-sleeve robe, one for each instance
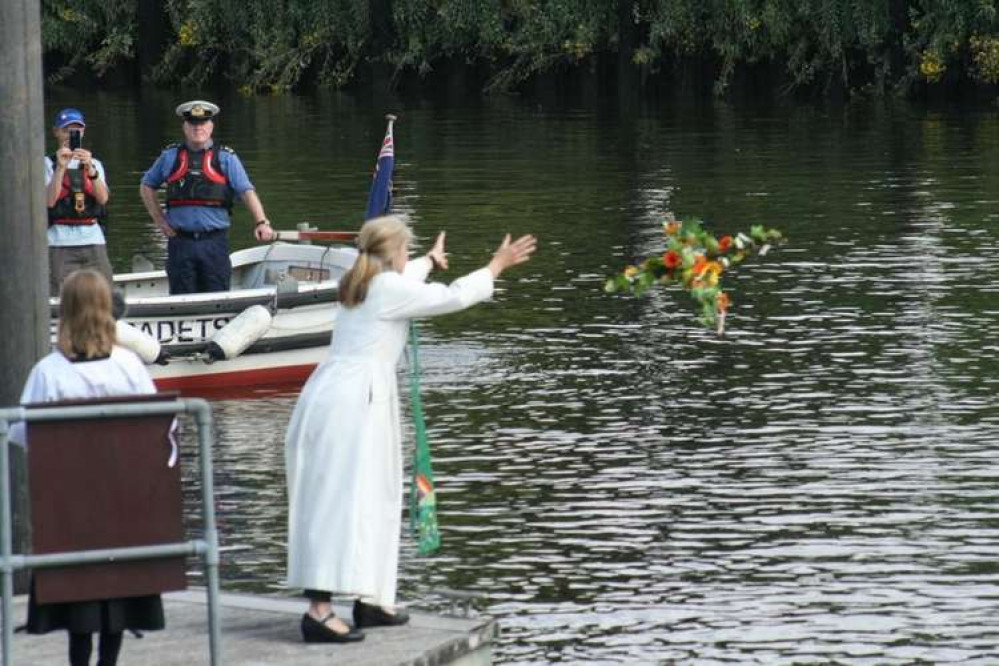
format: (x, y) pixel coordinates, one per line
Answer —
(57, 378)
(343, 449)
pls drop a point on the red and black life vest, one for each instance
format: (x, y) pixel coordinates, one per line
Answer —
(197, 179)
(76, 204)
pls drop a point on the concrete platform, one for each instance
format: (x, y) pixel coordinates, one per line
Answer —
(259, 631)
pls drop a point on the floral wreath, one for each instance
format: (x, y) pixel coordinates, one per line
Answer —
(695, 259)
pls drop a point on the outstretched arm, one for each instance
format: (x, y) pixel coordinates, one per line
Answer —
(418, 269)
(510, 254)
(412, 299)
(437, 255)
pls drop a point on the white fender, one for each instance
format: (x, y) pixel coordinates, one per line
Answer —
(234, 338)
(145, 346)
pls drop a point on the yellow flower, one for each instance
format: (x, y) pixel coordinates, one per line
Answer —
(985, 54)
(188, 34)
(642, 56)
(631, 271)
(932, 67)
(578, 50)
(703, 266)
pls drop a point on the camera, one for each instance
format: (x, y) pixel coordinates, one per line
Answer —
(75, 139)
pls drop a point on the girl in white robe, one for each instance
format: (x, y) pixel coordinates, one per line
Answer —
(87, 364)
(55, 377)
(343, 449)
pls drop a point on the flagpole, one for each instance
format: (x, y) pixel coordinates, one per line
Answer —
(380, 196)
(423, 501)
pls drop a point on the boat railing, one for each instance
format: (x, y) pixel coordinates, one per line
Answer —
(205, 546)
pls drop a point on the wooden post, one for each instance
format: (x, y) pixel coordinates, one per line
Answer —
(24, 289)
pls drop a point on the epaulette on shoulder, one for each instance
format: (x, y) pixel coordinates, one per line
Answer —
(225, 148)
(173, 145)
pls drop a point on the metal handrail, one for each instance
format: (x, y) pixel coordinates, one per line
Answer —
(207, 547)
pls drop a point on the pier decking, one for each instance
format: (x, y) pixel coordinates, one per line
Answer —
(259, 631)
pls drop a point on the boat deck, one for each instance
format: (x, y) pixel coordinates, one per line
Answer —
(258, 631)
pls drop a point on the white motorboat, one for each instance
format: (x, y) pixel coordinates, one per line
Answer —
(296, 285)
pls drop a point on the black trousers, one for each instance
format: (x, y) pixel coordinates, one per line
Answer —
(198, 263)
(81, 645)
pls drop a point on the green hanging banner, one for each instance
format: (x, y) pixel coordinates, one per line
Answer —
(423, 499)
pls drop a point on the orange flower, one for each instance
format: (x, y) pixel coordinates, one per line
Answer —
(724, 243)
(722, 301)
(671, 228)
(423, 486)
(700, 263)
(671, 259)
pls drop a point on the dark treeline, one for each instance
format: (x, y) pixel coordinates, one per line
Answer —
(835, 48)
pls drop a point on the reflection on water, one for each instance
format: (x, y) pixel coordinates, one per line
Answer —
(620, 486)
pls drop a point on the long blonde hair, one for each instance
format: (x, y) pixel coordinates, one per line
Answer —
(379, 240)
(86, 327)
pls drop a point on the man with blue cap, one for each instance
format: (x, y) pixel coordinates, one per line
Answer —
(76, 196)
(202, 180)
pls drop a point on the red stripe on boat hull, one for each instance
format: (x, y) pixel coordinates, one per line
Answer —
(240, 383)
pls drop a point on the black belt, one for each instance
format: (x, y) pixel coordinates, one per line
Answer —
(198, 235)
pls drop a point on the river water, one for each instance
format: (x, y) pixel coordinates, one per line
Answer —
(619, 484)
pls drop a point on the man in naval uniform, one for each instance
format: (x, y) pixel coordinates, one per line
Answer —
(202, 180)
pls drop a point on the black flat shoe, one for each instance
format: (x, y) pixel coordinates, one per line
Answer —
(367, 615)
(316, 631)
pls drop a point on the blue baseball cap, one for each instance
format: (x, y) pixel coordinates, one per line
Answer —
(69, 117)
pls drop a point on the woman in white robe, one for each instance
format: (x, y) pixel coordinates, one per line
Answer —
(343, 449)
(55, 377)
(87, 364)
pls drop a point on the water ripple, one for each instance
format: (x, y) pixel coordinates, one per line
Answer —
(622, 486)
